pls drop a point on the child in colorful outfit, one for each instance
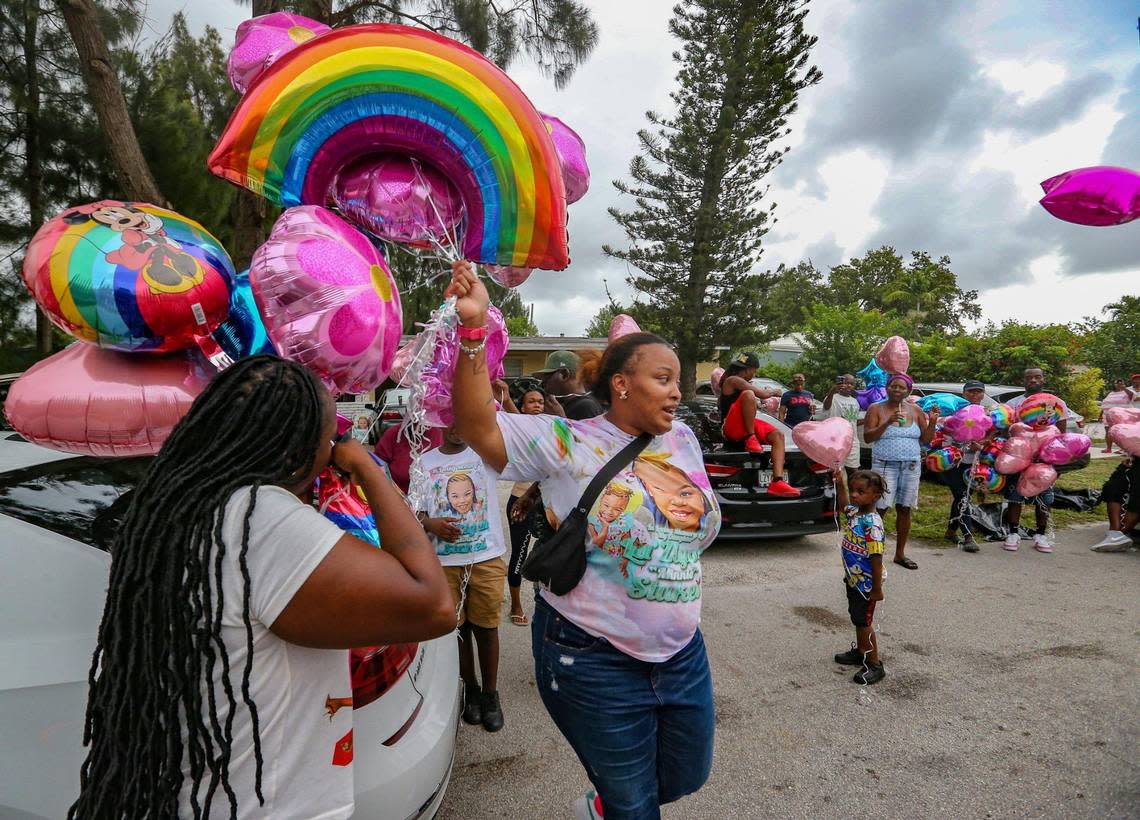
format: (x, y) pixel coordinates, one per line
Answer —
(460, 512)
(862, 551)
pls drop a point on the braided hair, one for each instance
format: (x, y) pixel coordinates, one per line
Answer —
(258, 423)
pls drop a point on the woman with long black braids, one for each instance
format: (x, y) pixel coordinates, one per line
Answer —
(213, 689)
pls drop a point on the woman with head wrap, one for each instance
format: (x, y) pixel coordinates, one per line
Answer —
(895, 429)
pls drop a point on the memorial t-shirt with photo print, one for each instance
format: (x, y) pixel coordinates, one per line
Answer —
(646, 530)
(460, 485)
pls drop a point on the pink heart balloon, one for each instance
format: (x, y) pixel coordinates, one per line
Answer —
(437, 375)
(92, 401)
(1020, 428)
(571, 152)
(1121, 415)
(1128, 436)
(971, 423)
(772, 406)
(328, 299)
(1044, 436)
(623, 325)
(1016, 454)
(262, 41)
(826, 442)
(714, 379)
(1055, 451)
(1078, 444)
(894, 355)
(1036, 479)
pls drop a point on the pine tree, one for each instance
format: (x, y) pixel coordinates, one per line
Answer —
(696, 232)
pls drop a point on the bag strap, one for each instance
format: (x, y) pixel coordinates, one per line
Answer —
(611, 469)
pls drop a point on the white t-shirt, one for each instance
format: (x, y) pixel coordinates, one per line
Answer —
(847, 407)
(303, 696)
(461, 486)
(645, 534)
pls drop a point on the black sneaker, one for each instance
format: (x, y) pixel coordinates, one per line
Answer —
(472, 707)
(492, 711)
(969, 545)
(870, 674)
(852, 657)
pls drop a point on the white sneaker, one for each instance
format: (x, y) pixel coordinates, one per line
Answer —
(588, 807)
(1041, 543)
(1113, 541)
(1011, 542)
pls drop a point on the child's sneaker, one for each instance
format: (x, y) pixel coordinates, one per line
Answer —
(852, 657)
(492, 711)
(588, 807)
(472, 709)
(1041, 543)
(969, 544)
(1114, 541)
(782, 488)
(1011, 542)
(870, 674)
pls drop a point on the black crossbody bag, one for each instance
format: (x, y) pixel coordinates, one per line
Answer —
(558, 560)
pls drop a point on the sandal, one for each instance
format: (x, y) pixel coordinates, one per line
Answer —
(908, 563)
(520, 619)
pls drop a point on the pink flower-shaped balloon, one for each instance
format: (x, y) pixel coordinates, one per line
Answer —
(328, 299)
(1100, 196)
(623, 325)
(825, 442)
(571, 152)
(1036, 479)
(1127, 435)
(971, 423)
(507, 276)
(262, 41)
(894, 355)
(1015, 455)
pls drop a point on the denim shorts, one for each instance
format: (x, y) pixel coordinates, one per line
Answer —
(901, 478)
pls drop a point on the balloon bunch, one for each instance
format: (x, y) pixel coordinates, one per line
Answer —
(1036, 447)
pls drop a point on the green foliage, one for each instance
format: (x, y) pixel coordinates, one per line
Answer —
(599, 326)
(788, 298)
(780, 372)
(1114, 345)
(1084, 391)
(839, 339)
(696, 226)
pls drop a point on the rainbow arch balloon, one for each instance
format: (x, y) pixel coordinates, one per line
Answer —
(129, 276)
(369, 89)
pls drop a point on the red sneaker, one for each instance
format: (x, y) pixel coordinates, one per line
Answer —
(753, 445)
(783, 489)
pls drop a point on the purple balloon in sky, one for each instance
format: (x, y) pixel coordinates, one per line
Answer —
(1101, 195)
(572, 156)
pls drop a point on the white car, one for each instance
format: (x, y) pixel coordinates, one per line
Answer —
(58, 514)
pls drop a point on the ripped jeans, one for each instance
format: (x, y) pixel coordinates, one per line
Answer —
(643, 731)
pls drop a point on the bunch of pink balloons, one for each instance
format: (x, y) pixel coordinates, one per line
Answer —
(437, 375)
(1036, 453)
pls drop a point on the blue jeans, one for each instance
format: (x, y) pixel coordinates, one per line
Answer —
(643, 731)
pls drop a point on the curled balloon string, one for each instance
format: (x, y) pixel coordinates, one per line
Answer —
(414, 427)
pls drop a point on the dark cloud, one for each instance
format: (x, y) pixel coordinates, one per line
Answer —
(824, 254)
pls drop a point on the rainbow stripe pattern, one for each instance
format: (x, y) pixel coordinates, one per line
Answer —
(129, 276)
(369, 89)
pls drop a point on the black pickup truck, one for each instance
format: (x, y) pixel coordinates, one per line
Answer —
(740, 481)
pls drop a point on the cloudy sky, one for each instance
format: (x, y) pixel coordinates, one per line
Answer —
(932, 128)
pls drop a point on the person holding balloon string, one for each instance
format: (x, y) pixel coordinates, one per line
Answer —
(739, 402)
(1033, 378)
(958, 478)
(896, 429)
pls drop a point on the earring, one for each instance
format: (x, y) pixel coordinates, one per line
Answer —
(624, 395)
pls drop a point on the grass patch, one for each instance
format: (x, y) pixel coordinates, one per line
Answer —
(928, 522)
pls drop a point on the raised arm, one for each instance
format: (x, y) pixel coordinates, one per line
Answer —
(471, 397)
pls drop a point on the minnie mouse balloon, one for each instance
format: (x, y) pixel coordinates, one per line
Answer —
(1015, 456)
(402, 200)
(1041, 410)
(1036, 479)
(894, 355)
(571, 152)
(825, 442)
(328, 299)
(262, 41)
(129, 276)
(1101, 195)
(104, 403)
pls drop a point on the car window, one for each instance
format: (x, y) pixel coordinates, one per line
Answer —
(80, 498)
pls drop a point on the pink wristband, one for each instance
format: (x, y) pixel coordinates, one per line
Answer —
(473, 334)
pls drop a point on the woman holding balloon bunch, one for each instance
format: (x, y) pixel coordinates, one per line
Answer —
(896, 429)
